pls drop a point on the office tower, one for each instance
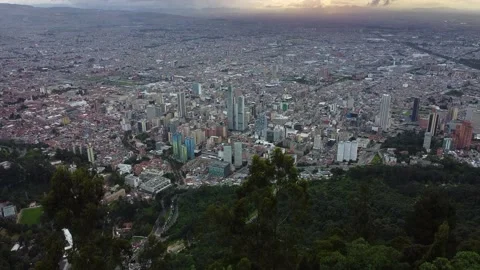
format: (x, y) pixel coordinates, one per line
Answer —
(197, 89)
(317, 142)
(447, 144)
(475, 121)
(463, 135)
(284, 106)
(427, 141)
(452, 114)
(238, 154)
(182, 110)
(415, 110)
(160, 99)
(384, 115)
(177, 143)
(90, 154)
(151, 112)
(183, 153)
(261, 125)
(340, 151)
(230, 108)
(142, 126)
(227, 153)
(433, 121)
(240, 114)
(190, 144)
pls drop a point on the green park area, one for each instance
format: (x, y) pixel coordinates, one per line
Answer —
(30, 216)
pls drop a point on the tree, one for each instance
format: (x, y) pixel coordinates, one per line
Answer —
(74, 202)
(429, 213)
(269, 208)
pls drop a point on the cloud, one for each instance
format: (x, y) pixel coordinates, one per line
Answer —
(375, 3)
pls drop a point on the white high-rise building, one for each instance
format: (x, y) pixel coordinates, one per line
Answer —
(182, 110)
(227, 153)
(240, 114)
(317, 142)
(238, 154)
(340, 151)
(354, 151)
(384, 115)
(347, 151)
(231, 108)
(90, 154)
(427, 141)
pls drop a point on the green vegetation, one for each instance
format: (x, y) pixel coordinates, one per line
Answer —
(372, 217)
(31, 216)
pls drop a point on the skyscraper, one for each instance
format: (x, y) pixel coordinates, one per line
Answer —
(90, 154)
(261, 125)
(463, 135)
(452, 114)
(240, 114)
(238, 154)
(190, 144)
(176, 143)
(230, 108)
(427, 141)
(182, 110)
(384, 115)
(433, 123)
(447, 144)
(415, 109)
(197, 89)
(227, 153)
(151, 112)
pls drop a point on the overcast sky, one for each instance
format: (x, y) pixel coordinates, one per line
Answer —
(266, 4)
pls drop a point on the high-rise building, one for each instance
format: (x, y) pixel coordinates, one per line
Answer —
(238, 154)
(142, 126)
(183, 153)
(427, 141)
(90, 154)
(384, 115)
(340, 151)
(347, 151)
(261, 126)
(433, 121)
(190, 144)
(151, 112)
(463, 135)
(351, 103)
(197, 89)
(452, 114)
(176, 143)
(317, 142)
(230, 108)
(415, 110)
(240, 114)
(227, 153)
(354, 151)
(182, 110)
(447, 144)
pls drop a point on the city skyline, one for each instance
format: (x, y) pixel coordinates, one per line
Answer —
(263, 5)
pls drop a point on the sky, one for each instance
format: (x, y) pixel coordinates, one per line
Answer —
(266, 4)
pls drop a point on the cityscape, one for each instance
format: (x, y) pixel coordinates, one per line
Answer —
(172, 104)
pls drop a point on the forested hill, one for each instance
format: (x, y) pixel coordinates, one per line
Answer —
(374, 217)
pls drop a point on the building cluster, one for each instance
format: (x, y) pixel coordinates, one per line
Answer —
(214, 100)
